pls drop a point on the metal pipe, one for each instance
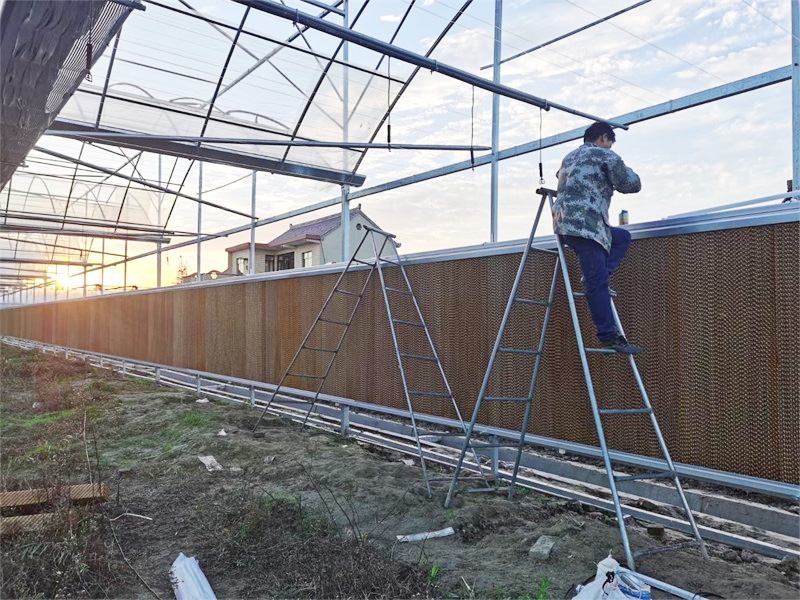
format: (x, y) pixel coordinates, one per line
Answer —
(345, 225)
(411, 57)
(135, 180)
(253, 227)
(113, 136)
(664, 587)
(493, 201)
(566, 35)
(158, 244)
(796, 94)
(199, 216)
(102, 268)
(125, 269)
(724, 91)
(593, 401)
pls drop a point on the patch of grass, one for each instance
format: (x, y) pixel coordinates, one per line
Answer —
(196, 418)
(36, 419)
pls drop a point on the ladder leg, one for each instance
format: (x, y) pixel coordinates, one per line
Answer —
(593, 400)
(339, 344)
(493, 356)
(438, 360)
(534, 378)
(661, 442)
(310, 331)
(400, 360)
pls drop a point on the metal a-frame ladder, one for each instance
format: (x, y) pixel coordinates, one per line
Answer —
(647, 409)
(403, 358)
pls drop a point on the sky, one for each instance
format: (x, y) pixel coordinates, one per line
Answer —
(715, 154)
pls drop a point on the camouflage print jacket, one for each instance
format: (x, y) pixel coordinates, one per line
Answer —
(586, 180)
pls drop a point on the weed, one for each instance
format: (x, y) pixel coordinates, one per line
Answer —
(433, 574)
(544, 589)
(71, 557)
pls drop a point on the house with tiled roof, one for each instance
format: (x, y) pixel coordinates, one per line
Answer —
(306, 244)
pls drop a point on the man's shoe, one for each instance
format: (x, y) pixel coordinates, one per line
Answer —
(621, 345)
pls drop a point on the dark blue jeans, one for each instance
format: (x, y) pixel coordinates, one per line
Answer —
(597, 265)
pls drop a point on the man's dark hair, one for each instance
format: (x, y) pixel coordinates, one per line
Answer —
(597, 130)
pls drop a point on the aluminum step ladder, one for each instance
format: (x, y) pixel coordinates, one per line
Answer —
(516, 301)
(405, 360)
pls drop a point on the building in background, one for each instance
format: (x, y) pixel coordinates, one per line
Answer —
(303, 245)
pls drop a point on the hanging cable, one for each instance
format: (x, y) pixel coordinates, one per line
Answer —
(389, 103)
(472, 131)
(541, 169)
(89, 48)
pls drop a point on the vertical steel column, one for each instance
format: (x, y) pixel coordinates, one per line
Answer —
(125, 269)
(796, 94)
(103, 266)
(498, 28)
(158, 245)
(253, 228)
(345, 122)
(199, 215)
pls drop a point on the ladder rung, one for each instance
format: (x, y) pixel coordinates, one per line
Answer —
(544, 250)
(506, 398)
(347, 292)
(530, 301)
(428, 358)
(625, 411)
(666, 548)
(391, 289)
(497, 445)
(604, 351)
(487, 490)
(391, 262)
(428, 394)
(305, 376)
(320, 349)
(364, 262)
(518, 351)
(411, 323)
(449, 434)
(345, 323)
(611, 293)
(658, 475)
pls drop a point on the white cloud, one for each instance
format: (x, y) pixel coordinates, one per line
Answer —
(391, 18)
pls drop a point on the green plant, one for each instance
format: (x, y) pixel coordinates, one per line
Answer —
(433, 574)
(544, 589)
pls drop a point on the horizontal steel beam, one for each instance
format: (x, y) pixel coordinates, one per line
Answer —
(143, 182)
(26, 216)
(365, 41)
(566, 35)
(8, 227)
(120, 137)
(18, 240)
(734, 88)
(46, 261)
(24, 277)
(737, 87)
(327, 7)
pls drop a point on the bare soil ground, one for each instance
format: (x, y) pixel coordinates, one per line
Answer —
(295, 513)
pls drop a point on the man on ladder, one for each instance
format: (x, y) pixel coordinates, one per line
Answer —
(586, 180)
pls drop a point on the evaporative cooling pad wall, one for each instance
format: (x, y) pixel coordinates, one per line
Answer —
(717, 313)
